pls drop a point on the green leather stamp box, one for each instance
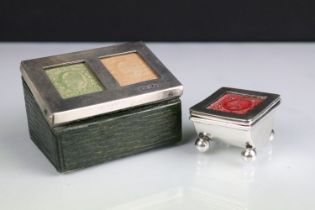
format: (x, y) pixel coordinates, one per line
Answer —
(92, 106)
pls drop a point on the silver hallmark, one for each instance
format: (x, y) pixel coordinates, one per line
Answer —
(236, 117)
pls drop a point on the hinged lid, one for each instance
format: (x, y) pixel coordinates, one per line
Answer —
(236, 106)
(83, 84)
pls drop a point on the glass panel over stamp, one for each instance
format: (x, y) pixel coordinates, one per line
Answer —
(73, 80)
(236, 103)
(129, 69)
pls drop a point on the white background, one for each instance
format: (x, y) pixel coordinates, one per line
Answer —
(283, 176)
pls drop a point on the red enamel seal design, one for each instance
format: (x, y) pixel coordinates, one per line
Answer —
(235, 103)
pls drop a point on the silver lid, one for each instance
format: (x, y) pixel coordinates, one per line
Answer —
(113, 97)
(269, 102)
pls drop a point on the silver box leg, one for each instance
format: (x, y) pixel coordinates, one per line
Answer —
(203, 143)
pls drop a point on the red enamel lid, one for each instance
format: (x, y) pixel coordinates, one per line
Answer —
(236, 103)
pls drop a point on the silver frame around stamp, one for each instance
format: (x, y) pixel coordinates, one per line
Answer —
(113, 97)
(270, 101)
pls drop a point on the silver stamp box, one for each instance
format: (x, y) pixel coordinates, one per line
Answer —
(92, 106)
(236, 117)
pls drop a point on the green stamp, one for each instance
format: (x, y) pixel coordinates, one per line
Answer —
(73, 80)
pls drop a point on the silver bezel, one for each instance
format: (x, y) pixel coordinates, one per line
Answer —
(270, 102)
(114, 97)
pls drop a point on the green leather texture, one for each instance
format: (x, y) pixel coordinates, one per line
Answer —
(95, 140)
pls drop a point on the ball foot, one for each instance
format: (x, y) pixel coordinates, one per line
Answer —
(249, 153)
(272, 135)
(203, 142)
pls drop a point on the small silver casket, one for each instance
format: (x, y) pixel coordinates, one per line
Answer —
(237, 117)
